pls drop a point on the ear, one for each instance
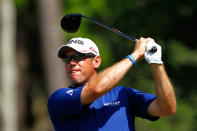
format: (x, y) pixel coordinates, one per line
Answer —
(97, 62)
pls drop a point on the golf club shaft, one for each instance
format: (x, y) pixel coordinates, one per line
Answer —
(110, 28)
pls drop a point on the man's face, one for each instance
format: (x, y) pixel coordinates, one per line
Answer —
(79, 72)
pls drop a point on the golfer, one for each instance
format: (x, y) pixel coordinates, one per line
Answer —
(94, 103)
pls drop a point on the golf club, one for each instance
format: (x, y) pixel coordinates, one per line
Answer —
(71, 22)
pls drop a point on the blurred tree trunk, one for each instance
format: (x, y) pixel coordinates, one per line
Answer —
(8, 66)
(23, 80)
(49, 14)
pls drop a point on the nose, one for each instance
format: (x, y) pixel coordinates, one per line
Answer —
(73, 62)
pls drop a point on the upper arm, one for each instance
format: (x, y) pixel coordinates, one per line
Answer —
(165, 104)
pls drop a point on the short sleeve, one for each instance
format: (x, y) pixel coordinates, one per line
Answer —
(65, 102)
(140, 102)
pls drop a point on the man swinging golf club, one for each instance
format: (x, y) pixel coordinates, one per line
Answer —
(94, 103)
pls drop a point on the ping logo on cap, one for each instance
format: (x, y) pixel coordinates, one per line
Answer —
(76, 42)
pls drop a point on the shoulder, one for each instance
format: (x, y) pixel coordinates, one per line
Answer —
(64, 100)
(57, 94)
(64, 92)
(60, 93)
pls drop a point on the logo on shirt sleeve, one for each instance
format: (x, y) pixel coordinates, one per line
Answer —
(70, 92)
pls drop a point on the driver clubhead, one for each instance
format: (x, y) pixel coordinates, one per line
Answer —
(71, 22)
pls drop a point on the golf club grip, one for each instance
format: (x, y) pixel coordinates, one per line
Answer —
(112, 29)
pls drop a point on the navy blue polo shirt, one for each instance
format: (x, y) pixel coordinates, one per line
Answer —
(114, 111)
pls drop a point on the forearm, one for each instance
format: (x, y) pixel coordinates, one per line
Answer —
(107, 79)
(164, 90)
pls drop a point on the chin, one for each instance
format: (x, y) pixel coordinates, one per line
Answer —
(77, 80)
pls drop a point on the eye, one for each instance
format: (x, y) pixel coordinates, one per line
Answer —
(66, 60)
(79, 57)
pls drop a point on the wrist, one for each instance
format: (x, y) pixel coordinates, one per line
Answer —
(136, 56)
(131, 59)
(154, 65)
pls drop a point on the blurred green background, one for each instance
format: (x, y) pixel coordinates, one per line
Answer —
(36, 36)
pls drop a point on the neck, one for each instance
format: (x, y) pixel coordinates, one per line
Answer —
(75, 85)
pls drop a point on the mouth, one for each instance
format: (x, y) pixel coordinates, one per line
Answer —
(75, 75)
(74, 71)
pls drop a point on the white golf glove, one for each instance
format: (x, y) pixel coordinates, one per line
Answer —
(153, 57)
